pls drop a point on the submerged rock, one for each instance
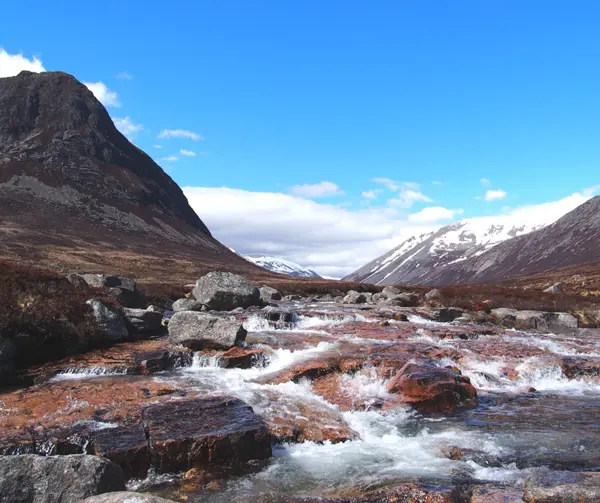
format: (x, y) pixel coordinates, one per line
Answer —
(224, 291)
(560, 487)
(199, 331)
(63, 479)
(110, 320)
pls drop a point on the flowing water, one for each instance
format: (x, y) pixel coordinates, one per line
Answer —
(533, 418)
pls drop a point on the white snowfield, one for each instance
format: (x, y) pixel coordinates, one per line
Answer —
(282, 266)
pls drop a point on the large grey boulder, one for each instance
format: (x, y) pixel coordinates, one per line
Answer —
(187, 304)
(547, 486)
(403, 299)
(224, 291)
(504, 317)
(102, 280)
(126, 497)
(268, 294)
(433, 297)
(30, 478)
(541, 320)
(353, 297)
(200, 330)
(109, 320)
(390, 291)
(142, 320)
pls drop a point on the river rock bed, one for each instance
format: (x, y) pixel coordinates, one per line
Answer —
(326, 401)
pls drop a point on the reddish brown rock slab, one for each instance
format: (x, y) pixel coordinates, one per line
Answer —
(243, 358)
(431, 389)
(491, 494)
(195, 433)
(137, 357)
(310, 369)
(574, 367)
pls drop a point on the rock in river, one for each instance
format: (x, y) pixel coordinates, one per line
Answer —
(224, 291)
(559, 487)
(205, 331)
(110, 320)
(62, 479)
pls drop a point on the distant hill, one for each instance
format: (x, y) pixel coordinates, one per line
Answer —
(282, 266)
(420, 259)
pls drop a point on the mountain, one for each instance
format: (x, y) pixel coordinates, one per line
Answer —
(424, 259)
(570, 241)
(282, 266)
(76, 193)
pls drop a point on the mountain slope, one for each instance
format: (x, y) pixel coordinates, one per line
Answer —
(422, 259)
(570, 241)
(75, 192)
(282, 266)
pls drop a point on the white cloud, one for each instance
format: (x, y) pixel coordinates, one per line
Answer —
(180, 133)
(433, 214)
(187, 153)
(407, 198)
(485, 182)
(435, 182)
(124, 76)
(127, 127)
(13, 64)
(156, 145)
(390, 184)
(322, 189)
(103, 94)
(170, 158)
(494, 195)
(371, 194)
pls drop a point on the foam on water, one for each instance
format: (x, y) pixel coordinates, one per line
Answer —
(87, 373)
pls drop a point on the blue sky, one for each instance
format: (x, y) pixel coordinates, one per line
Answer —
(427, 97)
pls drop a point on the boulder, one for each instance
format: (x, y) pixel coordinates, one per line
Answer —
(403, 300)
(224, 291)
(433, 297)
(448, 314)
(126, 497)
(268, 294)
(109, 320)
(205, 331)
(101, 280)
(431, 389)
(504, 317)
(187, 304)
(547, 486)
(353, 297)
(541, 320)
(142, 320)
(292, 297)
(30, 478)
(556, 288)
(378, 297)
(209, 431)
(390, 291)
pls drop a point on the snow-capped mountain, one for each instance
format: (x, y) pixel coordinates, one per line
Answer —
(282, 266)
(421, 259)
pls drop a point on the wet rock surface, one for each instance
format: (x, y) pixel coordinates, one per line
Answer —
(325, 401)
(61, 479)
(199, 331)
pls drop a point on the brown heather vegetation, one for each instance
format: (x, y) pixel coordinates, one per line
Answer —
(43, 315)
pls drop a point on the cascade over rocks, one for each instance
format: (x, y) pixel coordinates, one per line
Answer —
(126, 497)
(224, 291)
(200, 330)
(63, 479)
(431, 389)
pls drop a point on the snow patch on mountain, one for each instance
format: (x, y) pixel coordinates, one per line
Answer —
(414, 260)
(282, 266)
